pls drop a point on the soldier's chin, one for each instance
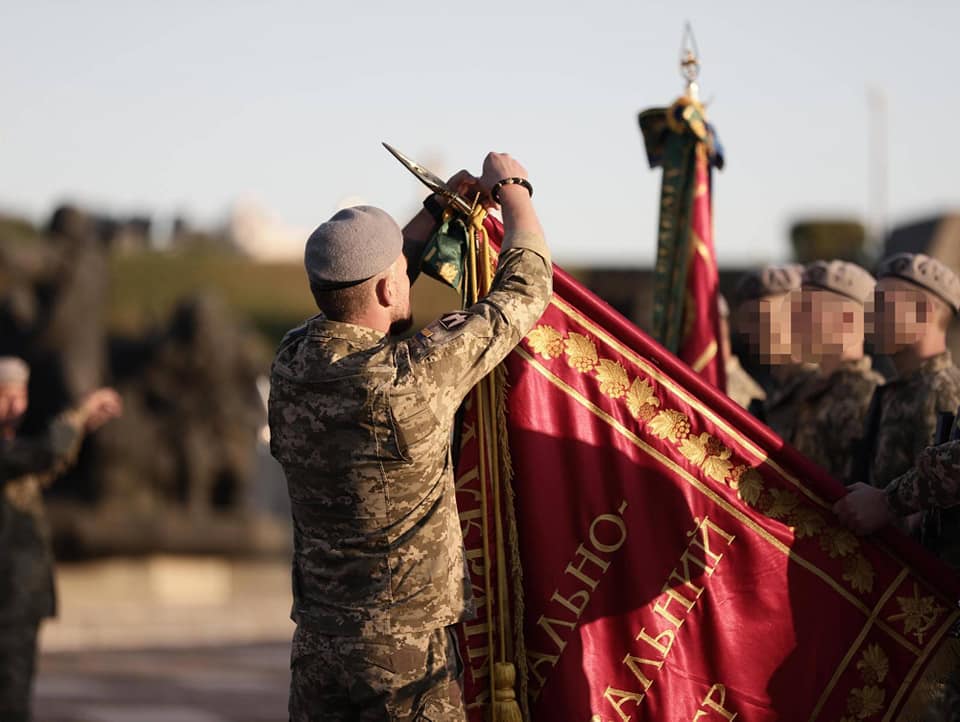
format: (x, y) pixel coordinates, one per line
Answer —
(401, 326)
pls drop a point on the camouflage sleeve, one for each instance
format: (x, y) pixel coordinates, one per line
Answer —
(933, 482)
(48, 455)
(452, 354)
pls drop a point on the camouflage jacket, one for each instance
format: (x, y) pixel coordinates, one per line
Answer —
(902, 419)
(27, 466)
(933, 482)
(830, 417)
(362, 425)
(780, 406)
(741, 386)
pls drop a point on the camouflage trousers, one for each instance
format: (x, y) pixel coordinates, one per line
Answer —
(388, 679)
(18, 656)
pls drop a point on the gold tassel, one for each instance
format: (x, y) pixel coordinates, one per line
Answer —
(504, 707)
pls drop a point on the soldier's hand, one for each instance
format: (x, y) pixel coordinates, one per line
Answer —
(865, 509)
(496, 167)
(99, 407)
(467, 185)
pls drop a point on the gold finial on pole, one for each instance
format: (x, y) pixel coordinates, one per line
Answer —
(690, 62)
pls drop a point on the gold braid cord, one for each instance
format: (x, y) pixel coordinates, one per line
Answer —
(495, 465)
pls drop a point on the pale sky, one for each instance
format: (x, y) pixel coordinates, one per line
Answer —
(184, 107)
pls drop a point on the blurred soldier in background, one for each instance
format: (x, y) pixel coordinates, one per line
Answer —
(361, 421)
(762, 315)
(829, 331)
(741, 386)
(27, 465)
(915, 300)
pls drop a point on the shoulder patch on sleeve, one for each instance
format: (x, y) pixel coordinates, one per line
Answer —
(447, 328)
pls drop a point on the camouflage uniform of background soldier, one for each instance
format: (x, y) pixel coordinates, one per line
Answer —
(762, 316)
(27, 466)
(916, 298)
(361, 422)
(829, 330)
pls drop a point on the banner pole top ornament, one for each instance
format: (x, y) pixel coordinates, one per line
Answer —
(433, 182)
(690, 62)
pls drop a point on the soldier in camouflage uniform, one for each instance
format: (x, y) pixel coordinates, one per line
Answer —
(915, 300)
(829, 331)
(763, 316)
(26, 559)
(361, 421)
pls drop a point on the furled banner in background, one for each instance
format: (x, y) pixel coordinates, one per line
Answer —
(677, 563)
(686, 319)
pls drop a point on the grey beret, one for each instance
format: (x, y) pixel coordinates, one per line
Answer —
(354, 245)
(13, 370)
(768, 281)
(926, 272)
(847, 279)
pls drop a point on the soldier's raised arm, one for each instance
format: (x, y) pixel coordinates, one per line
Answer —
(452, 354)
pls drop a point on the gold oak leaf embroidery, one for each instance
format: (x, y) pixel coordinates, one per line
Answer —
(671, 425)
(581, 352)
(546, 341)
(694, 448)
(780, 503)
(917, 613)
(858, 571)
(874, 665)
(750, 487)
(838, 542)
(613, 378)
(806, 522)
(865, 702)
(641, 396)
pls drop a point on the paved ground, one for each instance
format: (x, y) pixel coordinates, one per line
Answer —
(244, 683)
(167, 639)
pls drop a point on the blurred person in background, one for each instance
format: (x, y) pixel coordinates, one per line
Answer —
(27, 466)
(829, 331)
(741, 386)
(762, 315)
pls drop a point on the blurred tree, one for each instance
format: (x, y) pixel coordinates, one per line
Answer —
(828, 238)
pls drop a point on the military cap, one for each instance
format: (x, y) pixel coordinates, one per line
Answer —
(355, 244)
(926, 272)
(768, 281)
(847, 279)
(13, 370)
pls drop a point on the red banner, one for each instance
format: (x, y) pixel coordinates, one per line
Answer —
(700, 346)
(678, 563)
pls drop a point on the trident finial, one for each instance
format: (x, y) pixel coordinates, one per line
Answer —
(690, 61)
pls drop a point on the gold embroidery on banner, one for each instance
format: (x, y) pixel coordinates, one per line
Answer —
(868, 701)
(707, 452)
(546, 341)
(581, 352)
(715, 498)
(872, 619)
(656, 375)
(917, 613)
(708, 355)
